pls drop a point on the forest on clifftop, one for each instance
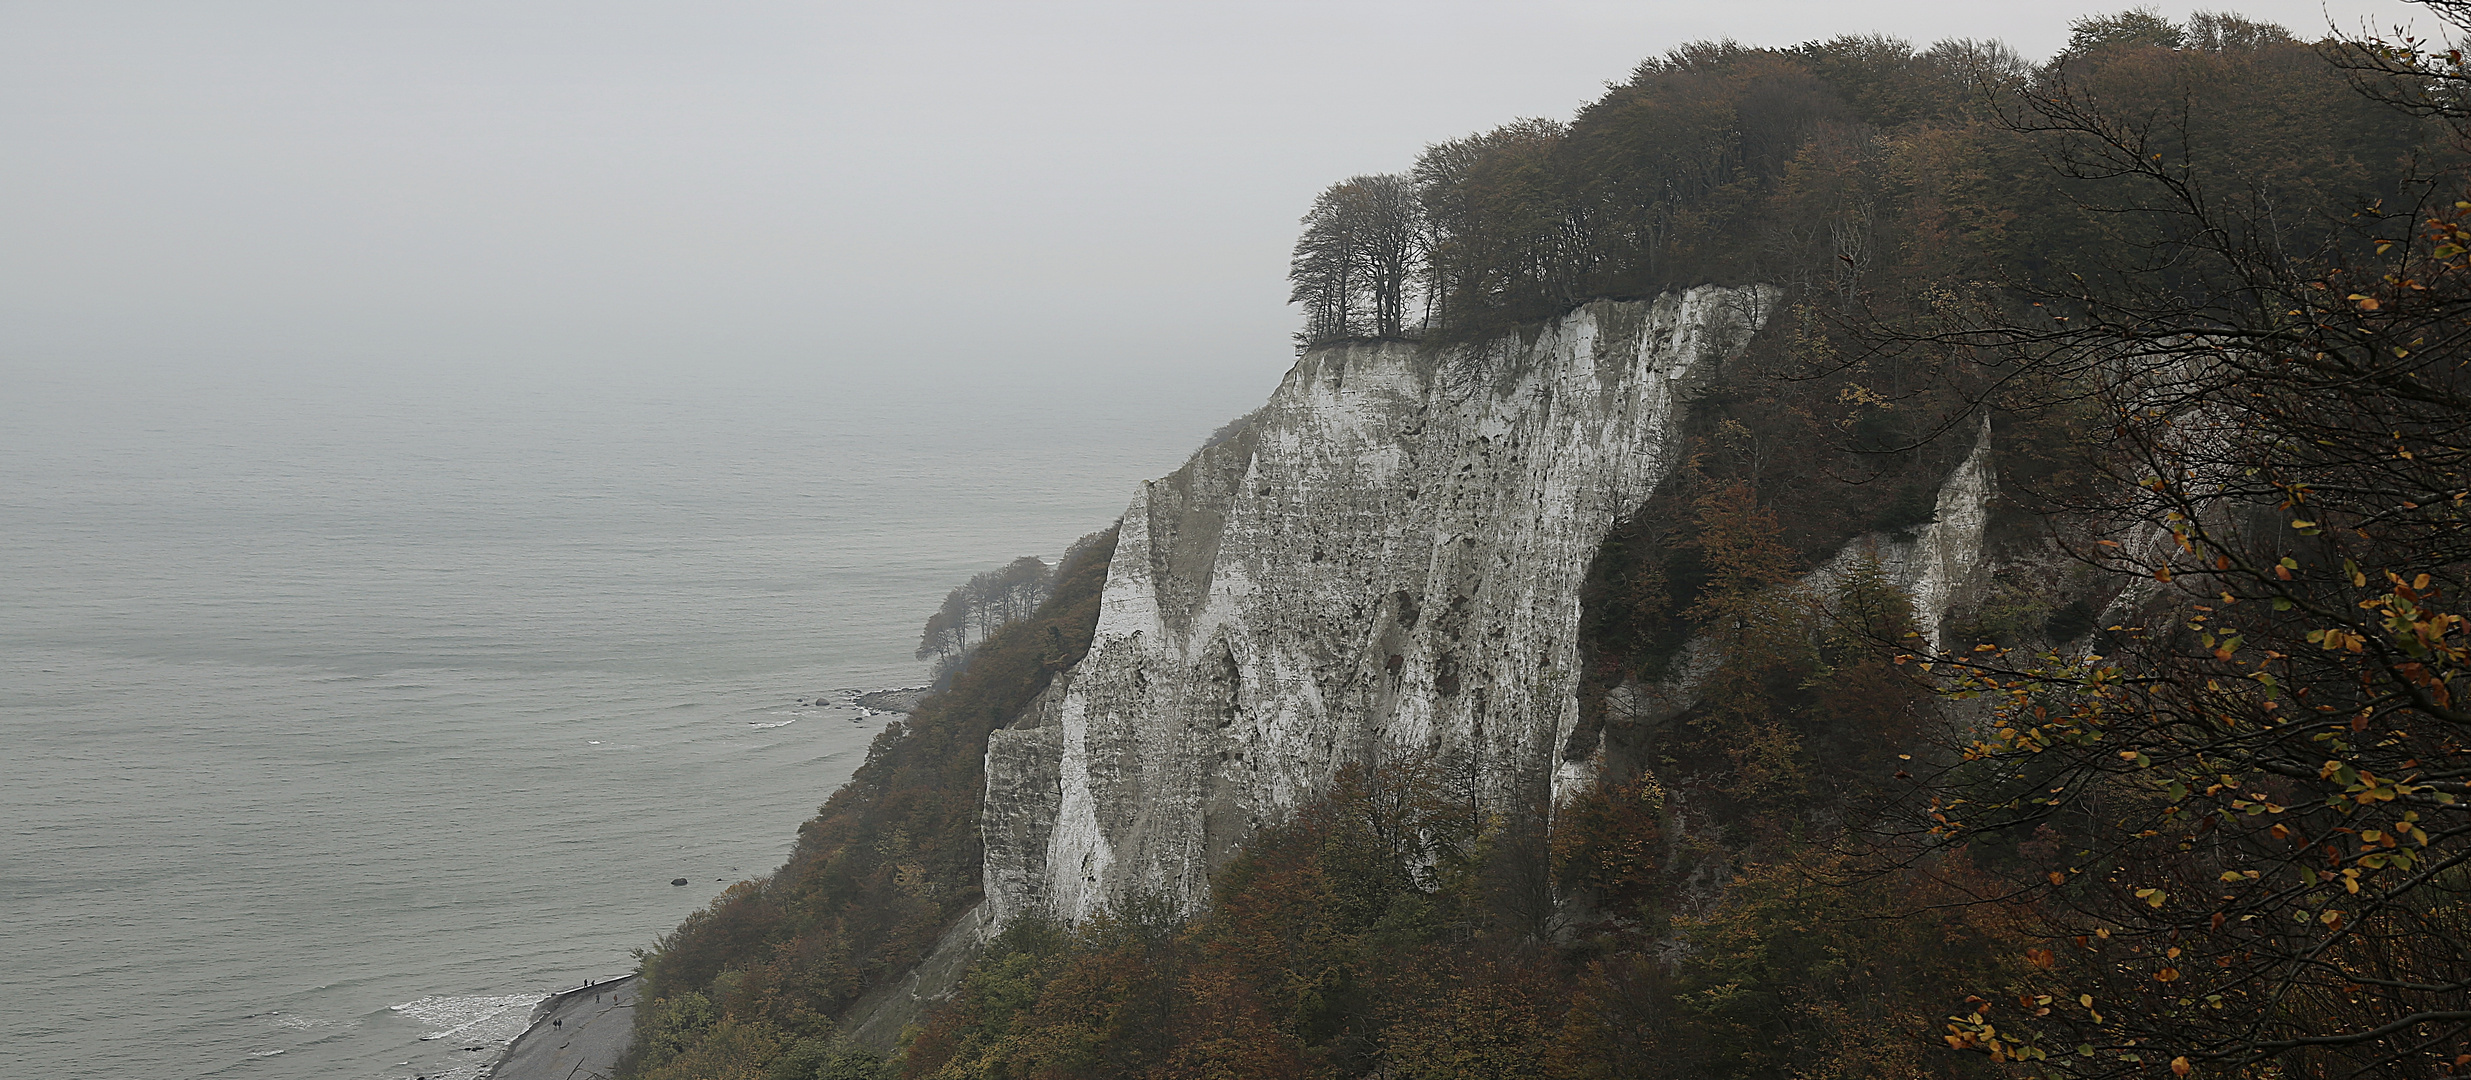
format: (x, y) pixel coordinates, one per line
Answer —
(2181, 794)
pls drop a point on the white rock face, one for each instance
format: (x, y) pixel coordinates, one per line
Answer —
(1936, 564)
(1940, 565)
(1387, 562)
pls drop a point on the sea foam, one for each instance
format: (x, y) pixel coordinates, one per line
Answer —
(495, 1019)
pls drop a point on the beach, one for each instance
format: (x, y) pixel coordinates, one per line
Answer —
(575, 1035)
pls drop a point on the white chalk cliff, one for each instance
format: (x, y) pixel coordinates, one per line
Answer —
(1388, 560)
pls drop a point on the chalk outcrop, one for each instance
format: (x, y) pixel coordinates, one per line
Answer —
(1941, 565)
(1387, 559)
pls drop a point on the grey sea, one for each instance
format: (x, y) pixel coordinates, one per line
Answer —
(341, 719)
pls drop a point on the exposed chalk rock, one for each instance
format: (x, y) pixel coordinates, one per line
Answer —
(1940, 565)
(1387, 560)
(1935, 564)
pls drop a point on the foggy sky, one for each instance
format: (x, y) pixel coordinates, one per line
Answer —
(915, 193)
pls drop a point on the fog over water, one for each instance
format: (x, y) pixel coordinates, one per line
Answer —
(440, 443)
(329, 698)
(966, 187)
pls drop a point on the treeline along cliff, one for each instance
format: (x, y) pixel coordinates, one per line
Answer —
(1841, 561)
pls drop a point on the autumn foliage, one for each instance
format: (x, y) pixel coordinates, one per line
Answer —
(2177, 789)
(887, 865)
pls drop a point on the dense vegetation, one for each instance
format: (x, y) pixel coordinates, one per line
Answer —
(758, 979)
(977, 608)
(1857, 172)
(2181, 794)
(1397, 928)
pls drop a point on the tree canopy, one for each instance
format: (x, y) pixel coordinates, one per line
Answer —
(2181, 791)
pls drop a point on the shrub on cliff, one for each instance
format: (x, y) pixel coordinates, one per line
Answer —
(887, 865)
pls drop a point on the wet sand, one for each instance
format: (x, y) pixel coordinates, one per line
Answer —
(575, 1035)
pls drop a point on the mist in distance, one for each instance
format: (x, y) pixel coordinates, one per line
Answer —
(451, 454)
(849, 200)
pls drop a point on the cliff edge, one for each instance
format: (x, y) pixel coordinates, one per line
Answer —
(1385, 561)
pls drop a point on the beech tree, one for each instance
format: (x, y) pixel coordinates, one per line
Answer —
(2246, 811)
(986, 603)
(1700, 911)
(1498, 246)
(1357, 258)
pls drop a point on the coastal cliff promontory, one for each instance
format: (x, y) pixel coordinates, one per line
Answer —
(1385, 560)
(1768, 578)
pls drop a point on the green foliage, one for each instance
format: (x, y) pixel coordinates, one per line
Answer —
(825, 1059)
(668, 1027)
(2134, 27)
(1799, 704)
(2236, 821)
(1609, 845)
(1800, 972)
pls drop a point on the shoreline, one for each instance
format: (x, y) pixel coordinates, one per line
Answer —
(576, 1034)
(898, 699)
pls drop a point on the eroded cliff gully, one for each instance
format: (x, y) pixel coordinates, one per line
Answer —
(1386, 560)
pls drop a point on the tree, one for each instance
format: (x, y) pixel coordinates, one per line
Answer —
(987, 602)
(1498, 226)
(1393, 226)
(1357, 259)
(2249, 841)
(2137, 26)
(947, 631)
(877, 876)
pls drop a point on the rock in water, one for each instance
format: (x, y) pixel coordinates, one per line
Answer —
(901, 700)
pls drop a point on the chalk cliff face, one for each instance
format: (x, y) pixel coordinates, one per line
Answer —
(1388, 560)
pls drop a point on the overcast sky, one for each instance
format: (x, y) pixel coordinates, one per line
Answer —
(921, 191)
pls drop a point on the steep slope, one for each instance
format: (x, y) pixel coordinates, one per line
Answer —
(1387, 561)
(1548, 698)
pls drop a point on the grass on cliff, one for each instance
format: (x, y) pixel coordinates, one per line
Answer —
(750, 986)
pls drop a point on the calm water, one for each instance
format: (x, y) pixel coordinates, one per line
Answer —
(341, 719)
